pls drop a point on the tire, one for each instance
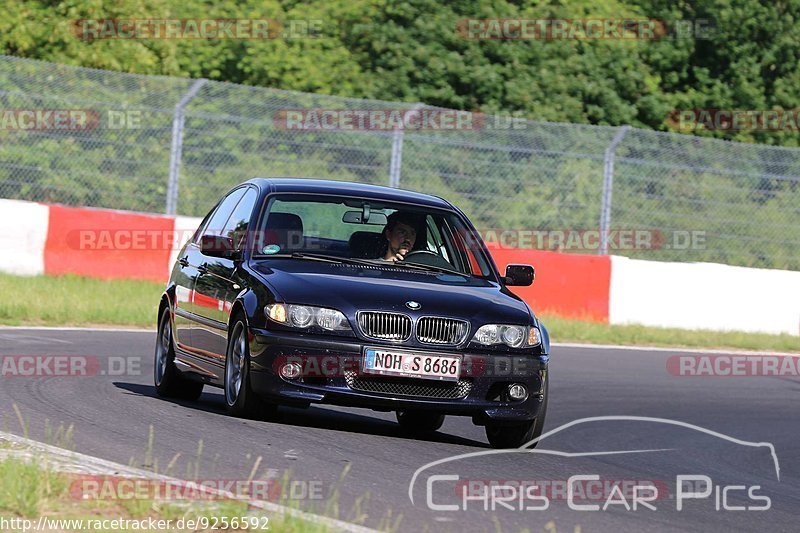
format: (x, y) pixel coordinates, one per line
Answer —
(419, 421)
(167, 380)
(515, 435)
(240, 400)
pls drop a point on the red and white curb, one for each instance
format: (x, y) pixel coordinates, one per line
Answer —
(52, 239)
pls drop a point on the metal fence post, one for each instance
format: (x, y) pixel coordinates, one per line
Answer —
(176, 149)
(608, 185)
(396, 161)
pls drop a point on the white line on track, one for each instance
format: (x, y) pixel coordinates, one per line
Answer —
(554, 344)
(674, 349)
(77, 328)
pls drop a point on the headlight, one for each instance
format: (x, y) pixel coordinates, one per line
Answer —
(306, 316)
(512, 336)
(331, 319)
(300, 316)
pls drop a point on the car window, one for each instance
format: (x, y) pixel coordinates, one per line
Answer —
(320, 219)
(216, 224)
(200, 231)
(334, 226)
(464, 245)
(435, 241)
(236, 227)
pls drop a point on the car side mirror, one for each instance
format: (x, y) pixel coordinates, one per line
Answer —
(519, 275)
(218, 246)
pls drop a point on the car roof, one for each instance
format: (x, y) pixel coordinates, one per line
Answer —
(346, 188)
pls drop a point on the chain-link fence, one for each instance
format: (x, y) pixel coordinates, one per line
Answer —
(162, 144)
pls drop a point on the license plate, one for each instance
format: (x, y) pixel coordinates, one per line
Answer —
(408, 364)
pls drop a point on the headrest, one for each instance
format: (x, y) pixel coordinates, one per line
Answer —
(285, 221)
(366, 244)
(285, 230)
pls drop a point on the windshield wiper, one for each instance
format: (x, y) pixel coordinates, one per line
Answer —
(322, 257)
(367, 262)
(429, 268)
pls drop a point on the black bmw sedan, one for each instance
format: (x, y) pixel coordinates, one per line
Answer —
(301, 291)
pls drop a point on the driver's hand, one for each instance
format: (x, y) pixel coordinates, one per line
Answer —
(400, 254)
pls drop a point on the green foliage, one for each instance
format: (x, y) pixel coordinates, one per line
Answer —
(547, 176)
(411, 51)
(24, 485)
(74, 300)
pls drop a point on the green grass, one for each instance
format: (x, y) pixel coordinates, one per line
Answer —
(78, 301)
(24, 487)
(31, 488)
(28, 490)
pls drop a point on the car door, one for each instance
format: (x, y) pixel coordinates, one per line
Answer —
(185, 274)
(217, 286)
(193, 264)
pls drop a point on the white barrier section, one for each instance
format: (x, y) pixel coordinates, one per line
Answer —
(184, 229)
(704, 296)
(23, 233)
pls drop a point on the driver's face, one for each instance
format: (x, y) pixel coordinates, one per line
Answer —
(401, 238)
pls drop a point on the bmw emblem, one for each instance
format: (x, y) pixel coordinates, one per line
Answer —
(411, 304)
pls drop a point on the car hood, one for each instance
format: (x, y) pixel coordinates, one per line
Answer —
(351, 288)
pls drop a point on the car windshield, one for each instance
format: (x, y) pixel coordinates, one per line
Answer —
(354, 230)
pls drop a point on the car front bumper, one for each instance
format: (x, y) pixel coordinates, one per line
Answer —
(332, 375)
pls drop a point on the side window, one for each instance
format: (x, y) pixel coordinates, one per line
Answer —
(236, 227)
(435, 241)
(461, 241)
(217, 222)
(454, 247)
(202, 227)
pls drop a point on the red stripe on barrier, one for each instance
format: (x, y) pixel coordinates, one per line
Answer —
(567, 285)
(111, 244)
(108, 244)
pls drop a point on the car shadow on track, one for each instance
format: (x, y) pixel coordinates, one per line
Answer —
(314, 417)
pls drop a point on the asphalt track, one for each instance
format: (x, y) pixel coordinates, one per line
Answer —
(113, 410)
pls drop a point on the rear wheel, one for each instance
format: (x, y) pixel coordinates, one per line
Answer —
(240, 400)
(168, 381)
(515, 435)
(419, 421)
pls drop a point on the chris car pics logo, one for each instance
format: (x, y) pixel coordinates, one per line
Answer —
(591, 492)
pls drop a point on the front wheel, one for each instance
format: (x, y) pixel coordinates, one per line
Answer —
(516, 435)
(240, 400)
(167, 379)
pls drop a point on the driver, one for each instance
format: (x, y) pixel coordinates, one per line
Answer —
(400, 234)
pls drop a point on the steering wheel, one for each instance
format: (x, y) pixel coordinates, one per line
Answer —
(427, 257)
(419, 252)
